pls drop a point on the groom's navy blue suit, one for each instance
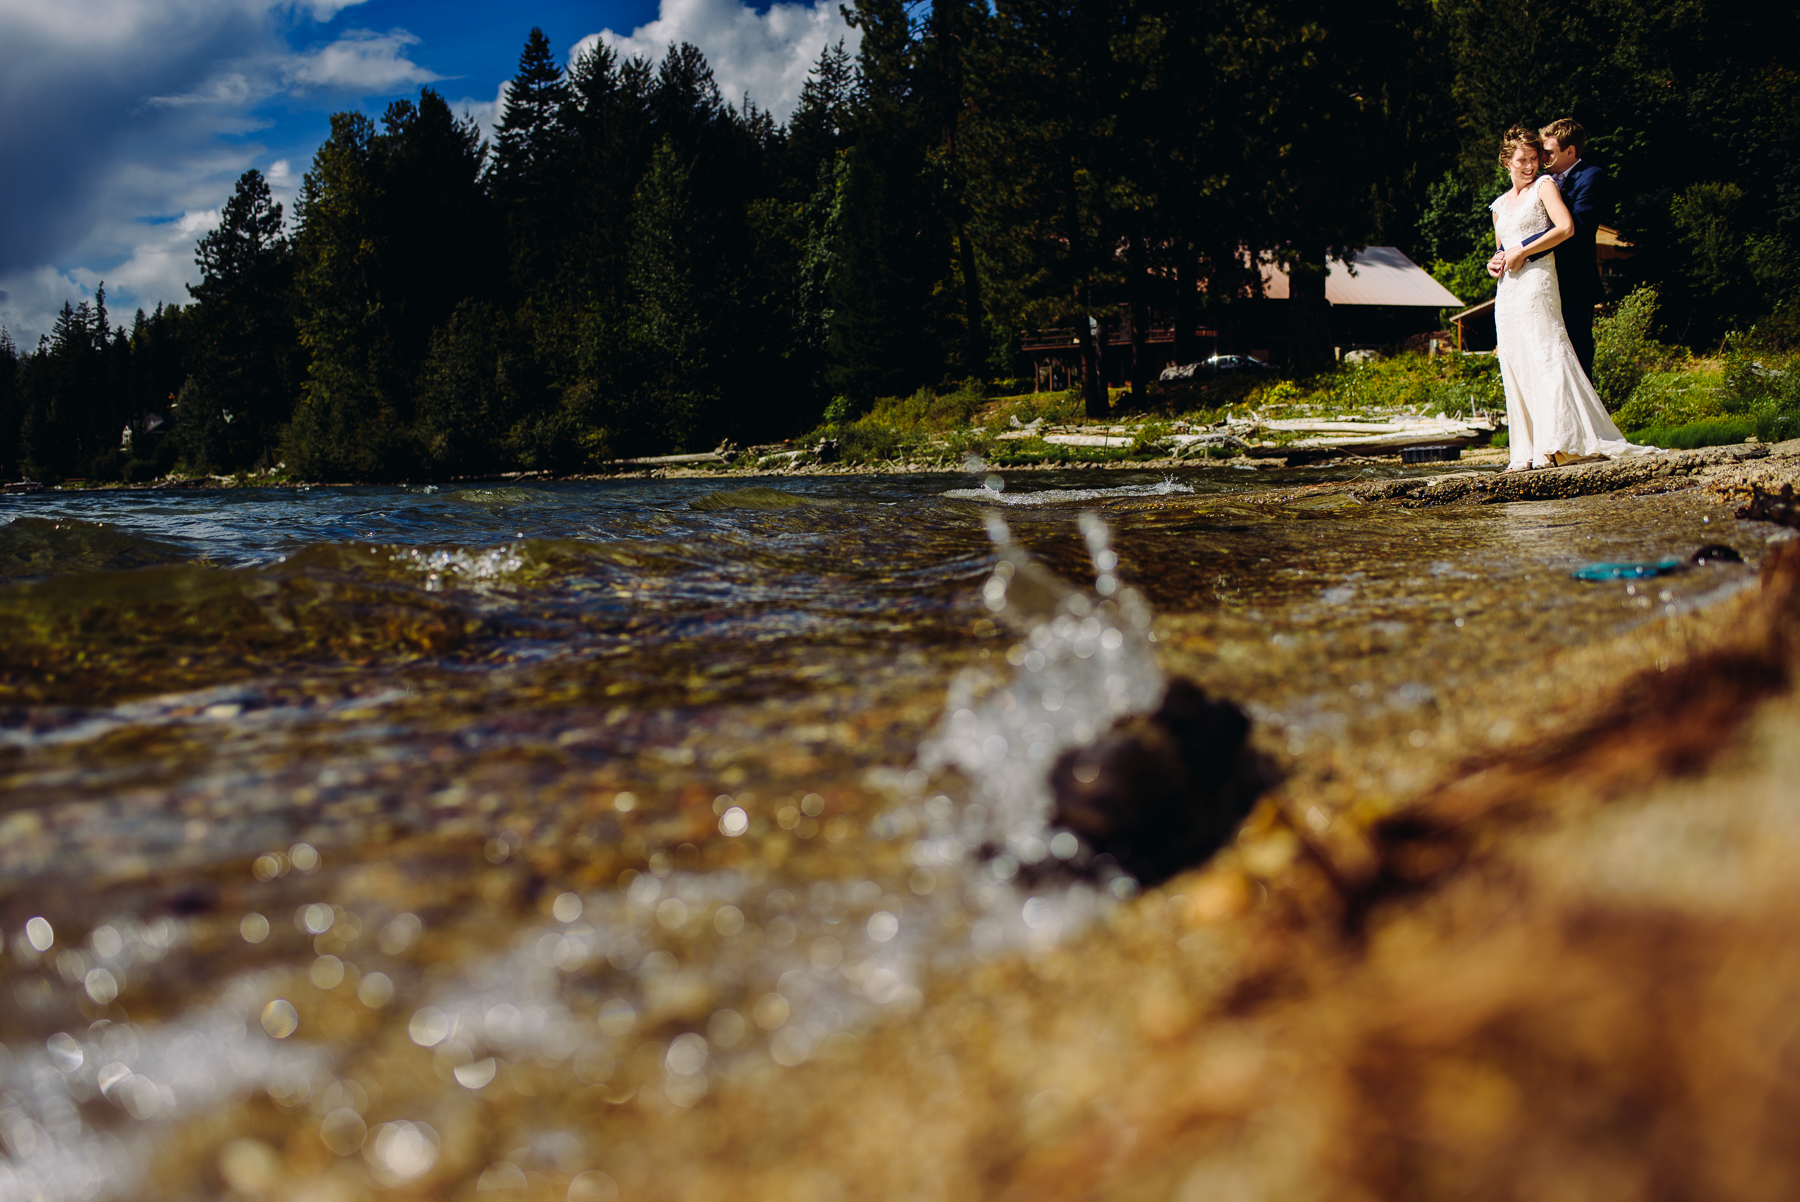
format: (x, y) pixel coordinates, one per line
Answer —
(1577, 273)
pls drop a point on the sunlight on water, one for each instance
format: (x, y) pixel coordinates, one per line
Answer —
(993, 493)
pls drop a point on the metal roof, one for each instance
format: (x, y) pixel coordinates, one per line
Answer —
(1472, 310)
(1383, 276)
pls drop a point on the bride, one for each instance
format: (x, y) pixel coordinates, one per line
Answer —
(1553, 414)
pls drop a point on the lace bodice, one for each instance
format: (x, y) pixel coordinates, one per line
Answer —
(1524, 216)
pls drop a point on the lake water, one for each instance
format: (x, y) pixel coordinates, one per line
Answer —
(528, 838)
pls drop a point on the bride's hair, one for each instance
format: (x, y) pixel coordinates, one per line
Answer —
(1517, 136)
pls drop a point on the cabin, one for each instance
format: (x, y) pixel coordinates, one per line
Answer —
(1381, 298)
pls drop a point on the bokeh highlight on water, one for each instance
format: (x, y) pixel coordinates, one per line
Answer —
(223, 699)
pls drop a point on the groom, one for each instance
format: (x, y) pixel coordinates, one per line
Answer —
(1577, 271)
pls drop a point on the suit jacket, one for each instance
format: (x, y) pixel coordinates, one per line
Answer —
(1576, 269)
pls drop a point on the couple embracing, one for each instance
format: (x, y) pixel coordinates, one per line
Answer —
(1544, 310)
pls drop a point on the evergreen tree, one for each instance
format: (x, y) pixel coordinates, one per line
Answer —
(529, 183)
(608, 125)
(469, 392)
(348, 423)
(436, 224)
(878, 279)
(1048, 203)
(888, 245)
(670, 335)
(823, 121)
(245, 372)
(392, 234)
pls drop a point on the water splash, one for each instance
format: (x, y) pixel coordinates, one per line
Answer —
(1083, 661)
(462, 568)
(991, 495)
(154, 1076)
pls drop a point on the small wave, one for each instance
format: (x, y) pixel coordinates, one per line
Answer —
(99, 636)
(492, 496)
(1064, 496)
(33, 548)
(765, 499)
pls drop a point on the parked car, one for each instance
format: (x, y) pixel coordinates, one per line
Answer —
(1236, 363)
(1213, 366)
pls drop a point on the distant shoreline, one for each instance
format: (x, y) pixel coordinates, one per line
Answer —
(1477, 457)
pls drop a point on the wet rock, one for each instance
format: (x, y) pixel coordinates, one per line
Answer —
(1782, 507)
(1715, 553)
(1582, 480)
(1163, 791)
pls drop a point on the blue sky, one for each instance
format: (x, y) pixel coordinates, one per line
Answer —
(129, 121)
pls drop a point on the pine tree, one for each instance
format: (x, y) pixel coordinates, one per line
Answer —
(437, 225)
(245, 373)
(529, 180)
(669, 331)
(469, 392)
(535, 97)
(348, 423)
(823, 121)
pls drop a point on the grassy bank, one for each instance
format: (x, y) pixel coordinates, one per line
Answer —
(1658, 393)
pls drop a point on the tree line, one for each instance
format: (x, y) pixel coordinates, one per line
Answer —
(638, 264)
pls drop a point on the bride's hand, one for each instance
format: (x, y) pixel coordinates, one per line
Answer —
(1515, 258)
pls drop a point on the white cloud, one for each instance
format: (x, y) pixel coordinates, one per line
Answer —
(30, 301)
(160, 264)
(360, 61)
(229, 88)
(763, 55)
(324, 10)
(485, 112)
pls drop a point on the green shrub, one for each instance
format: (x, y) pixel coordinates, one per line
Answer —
(840, 410)
(1149, 440)
(1407, 383)
(1667, 399)
(1624, 351)
(1775, 426)
(1709, 432)
(926, 410)
(868, 442)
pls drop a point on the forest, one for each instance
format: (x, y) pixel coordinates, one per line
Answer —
(638, 264)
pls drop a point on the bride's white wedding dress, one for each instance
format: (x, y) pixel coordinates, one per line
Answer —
(1551, 408)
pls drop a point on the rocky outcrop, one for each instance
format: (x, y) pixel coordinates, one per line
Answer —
(1554, 483)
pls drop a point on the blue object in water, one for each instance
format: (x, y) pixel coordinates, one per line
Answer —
(1627, 571)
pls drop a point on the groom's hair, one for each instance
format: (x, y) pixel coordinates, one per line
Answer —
(1517, 136)
(1568, 132)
